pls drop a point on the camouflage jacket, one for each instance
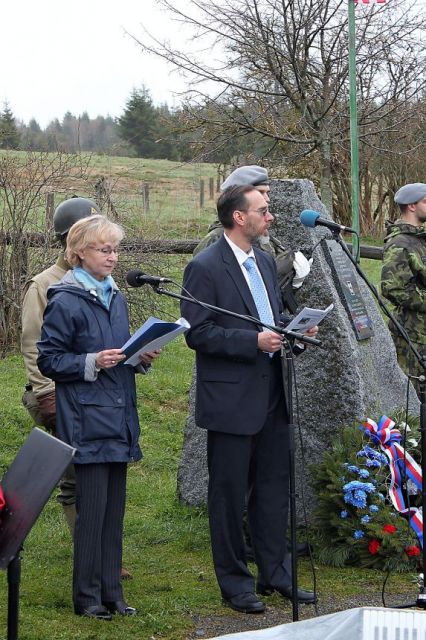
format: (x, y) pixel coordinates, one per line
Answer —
(404, 276)
(284, 259)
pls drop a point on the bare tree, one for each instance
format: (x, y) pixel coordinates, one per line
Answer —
(278, 70)
(25, 179)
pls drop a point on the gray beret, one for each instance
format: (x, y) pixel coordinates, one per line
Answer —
(410, 193)
(248, 175)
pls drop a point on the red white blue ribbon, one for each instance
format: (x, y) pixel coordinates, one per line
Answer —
(401, 464)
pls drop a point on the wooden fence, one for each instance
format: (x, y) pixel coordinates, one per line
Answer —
(164, 246)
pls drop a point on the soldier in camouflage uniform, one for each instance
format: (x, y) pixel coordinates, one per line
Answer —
(404, 274)
(292, 267)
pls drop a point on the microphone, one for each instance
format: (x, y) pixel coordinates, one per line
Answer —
(138, 278)
(311, 218)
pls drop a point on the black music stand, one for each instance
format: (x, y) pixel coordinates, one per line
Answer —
(27, 486)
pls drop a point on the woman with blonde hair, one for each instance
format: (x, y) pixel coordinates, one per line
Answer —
(85, 324)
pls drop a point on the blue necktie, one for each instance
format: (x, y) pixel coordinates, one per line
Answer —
(258, 292)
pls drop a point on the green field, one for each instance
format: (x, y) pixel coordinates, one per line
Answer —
(166, 545)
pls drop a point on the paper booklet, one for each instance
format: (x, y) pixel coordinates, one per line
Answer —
(152, 335)
(308, 318)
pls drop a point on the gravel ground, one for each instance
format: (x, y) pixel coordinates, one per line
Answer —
(279, 611)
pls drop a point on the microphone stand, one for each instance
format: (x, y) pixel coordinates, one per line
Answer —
(286, 363)
(13, 581)
(287, 367)
(421, 598)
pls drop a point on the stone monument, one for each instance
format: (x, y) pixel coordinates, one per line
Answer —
(346, 380)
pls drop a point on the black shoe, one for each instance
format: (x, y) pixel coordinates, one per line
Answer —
(245, 603)
(303, 549)
(304, 597)
(95, 611)
(121, 607)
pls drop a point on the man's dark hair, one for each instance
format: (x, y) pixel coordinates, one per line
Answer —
(230, 200)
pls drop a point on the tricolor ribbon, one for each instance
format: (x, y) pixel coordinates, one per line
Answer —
(401, 464)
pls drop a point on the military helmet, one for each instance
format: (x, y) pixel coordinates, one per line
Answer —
(70, 211)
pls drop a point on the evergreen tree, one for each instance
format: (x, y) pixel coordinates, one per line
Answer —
(34, 126)
(9, 136)
(142, 125)
(31, 136)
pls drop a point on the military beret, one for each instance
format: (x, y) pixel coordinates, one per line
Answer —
(248, 175)
(410, 193)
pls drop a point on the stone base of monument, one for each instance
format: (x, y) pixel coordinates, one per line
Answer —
(364, 623)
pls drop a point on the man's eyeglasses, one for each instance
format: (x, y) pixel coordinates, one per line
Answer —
(106, 251)
(262, 212)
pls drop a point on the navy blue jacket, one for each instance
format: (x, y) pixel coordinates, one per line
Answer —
(97, 417)
(232, 393)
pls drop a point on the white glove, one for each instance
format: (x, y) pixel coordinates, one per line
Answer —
(302, 267)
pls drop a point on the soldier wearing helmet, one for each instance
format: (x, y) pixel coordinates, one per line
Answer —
(39, 395)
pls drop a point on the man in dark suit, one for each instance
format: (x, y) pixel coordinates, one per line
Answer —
(240, 401)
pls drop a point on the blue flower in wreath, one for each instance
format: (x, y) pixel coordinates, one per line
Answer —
(358, 534)
(353, 468)
(365, 519)
(373, 464)
(374, 458)
(344, 514)
(381, 496)
(364, 474)
(373, 508)
(355, 493)
(368, 487)
(356, 498)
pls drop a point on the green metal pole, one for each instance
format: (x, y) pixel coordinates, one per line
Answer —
(354, 127)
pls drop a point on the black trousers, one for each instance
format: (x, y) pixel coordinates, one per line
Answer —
(98, 540)
(255, 467)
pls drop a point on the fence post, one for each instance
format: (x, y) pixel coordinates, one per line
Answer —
(100, 192)
(50, 208)
(146, 197)
(201, 194)
(211, 188)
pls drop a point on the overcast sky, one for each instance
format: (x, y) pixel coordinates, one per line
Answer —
(74, 56)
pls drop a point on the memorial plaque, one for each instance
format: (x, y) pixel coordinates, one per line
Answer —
(344, 276)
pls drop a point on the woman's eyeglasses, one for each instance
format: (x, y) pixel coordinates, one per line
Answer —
(106, 251)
